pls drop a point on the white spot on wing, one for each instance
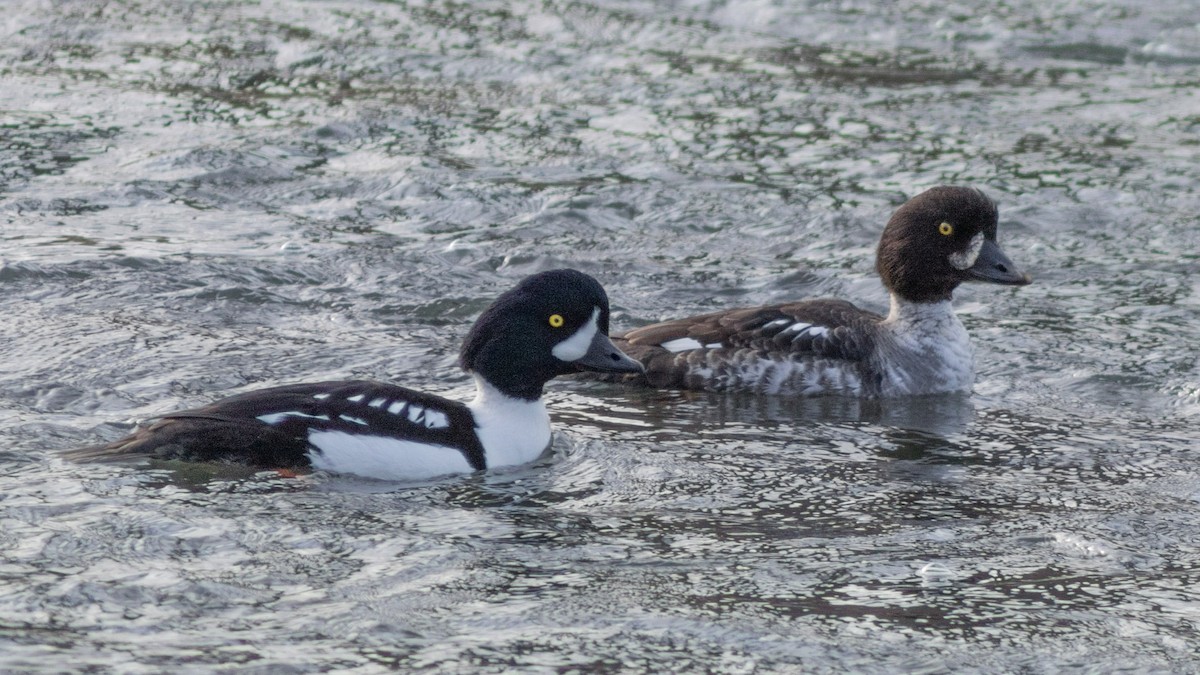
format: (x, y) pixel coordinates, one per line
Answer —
(777, 322)
(276, 418)
(320, 397)
(796, 327)
(396, 407)
(574, 347)
(414, 413)
(383, 457)
(356, 398)
(807, 330)
(354, 420)
(435, 419)
(377, 403)
(681, 344)
(713, 345)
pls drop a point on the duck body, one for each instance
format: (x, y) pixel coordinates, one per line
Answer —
(354, 426)
(933, 243)
(823, 346)
(551, 324)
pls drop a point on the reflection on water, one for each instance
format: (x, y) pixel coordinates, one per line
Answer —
(201, 198)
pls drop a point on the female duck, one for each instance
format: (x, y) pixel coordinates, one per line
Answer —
(933, 243)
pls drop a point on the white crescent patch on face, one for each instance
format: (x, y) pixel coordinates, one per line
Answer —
(574, 347)
(964, 259)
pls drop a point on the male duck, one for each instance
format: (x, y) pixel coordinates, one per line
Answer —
(550, 324)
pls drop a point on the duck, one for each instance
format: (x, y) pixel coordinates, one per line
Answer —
(933, 242)
(550, 324)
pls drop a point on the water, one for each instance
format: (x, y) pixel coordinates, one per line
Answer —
(202, 198)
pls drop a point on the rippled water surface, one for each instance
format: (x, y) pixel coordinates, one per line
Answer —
(200, 198)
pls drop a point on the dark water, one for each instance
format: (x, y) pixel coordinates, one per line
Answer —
(204, 197)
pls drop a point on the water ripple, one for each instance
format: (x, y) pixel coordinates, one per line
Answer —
(201, 199)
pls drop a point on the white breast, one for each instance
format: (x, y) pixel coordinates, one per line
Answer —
(513, 431)
(924, 349)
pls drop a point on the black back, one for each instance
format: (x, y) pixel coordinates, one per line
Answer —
(230, 429)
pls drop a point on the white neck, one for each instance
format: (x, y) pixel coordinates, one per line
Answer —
(513, 431)
(908, 313)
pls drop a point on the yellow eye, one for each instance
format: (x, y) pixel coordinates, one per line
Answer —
(946, 229)
(556, 320)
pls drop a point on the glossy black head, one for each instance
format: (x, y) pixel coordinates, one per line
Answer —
(551, 324)
(939, 239)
